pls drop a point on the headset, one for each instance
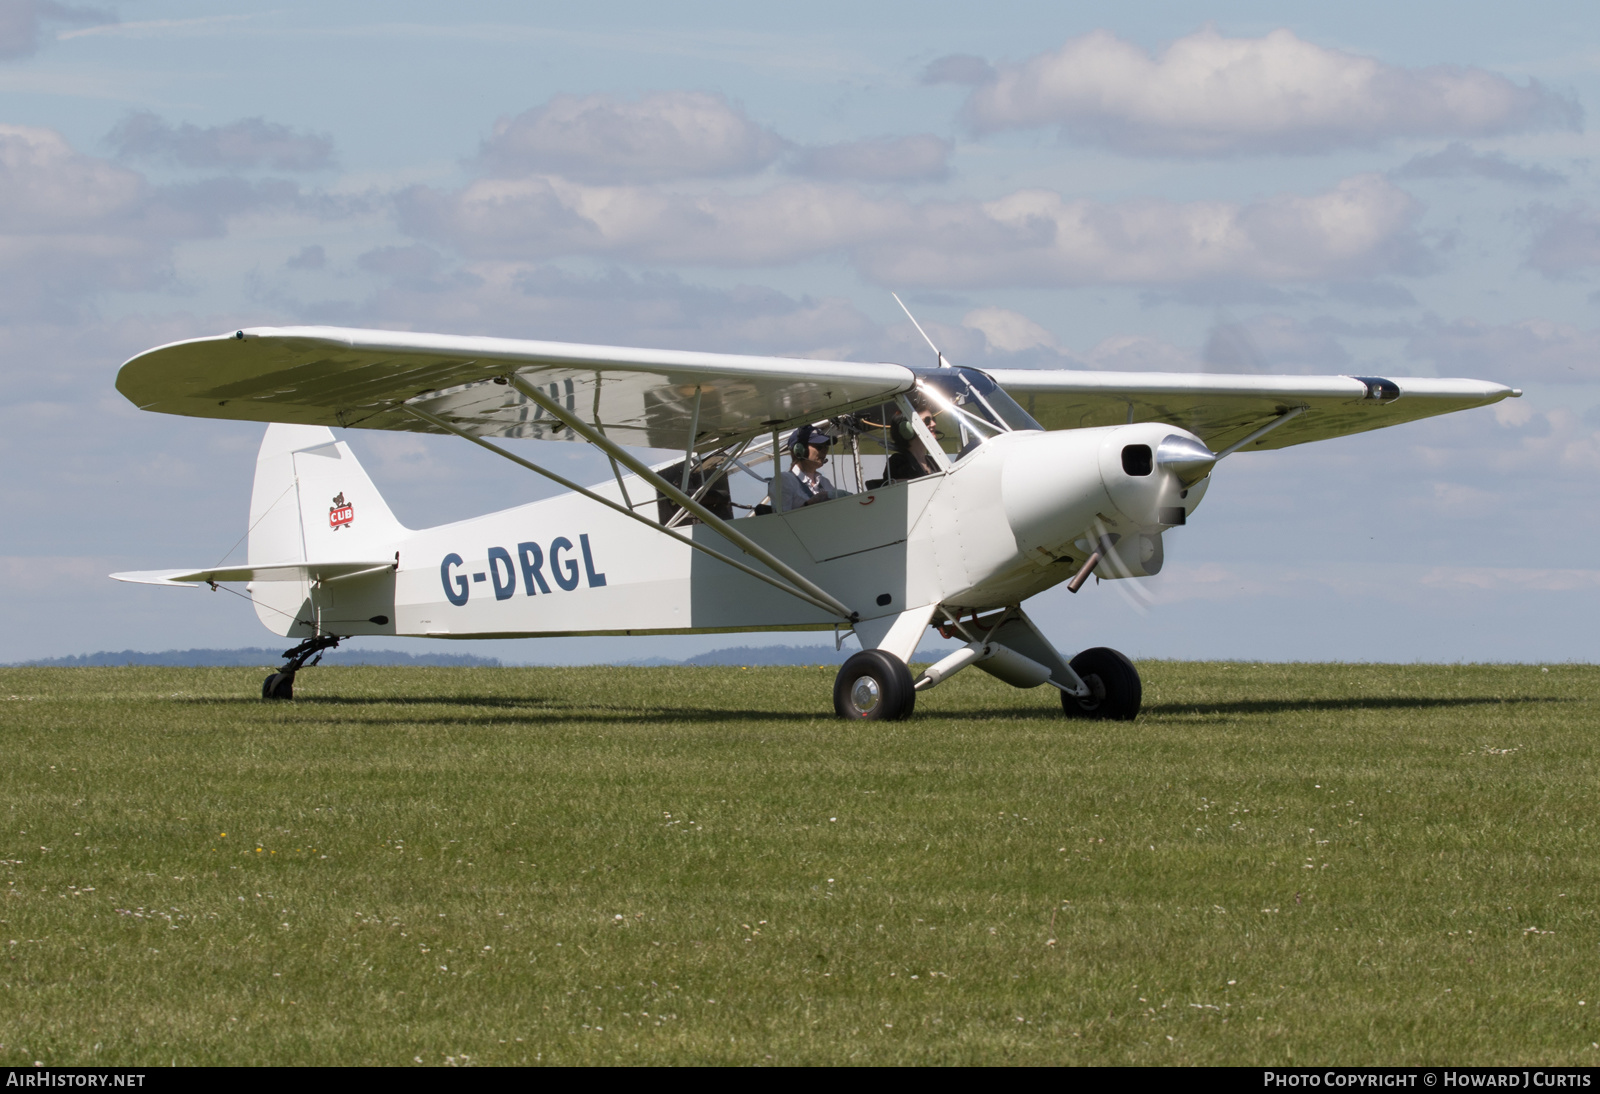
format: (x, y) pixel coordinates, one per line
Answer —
(802, 440)
(901, 431)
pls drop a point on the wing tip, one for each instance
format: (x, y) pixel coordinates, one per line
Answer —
(154, 577)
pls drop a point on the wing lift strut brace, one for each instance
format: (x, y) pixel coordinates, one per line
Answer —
(1292, 412)
(793, 582)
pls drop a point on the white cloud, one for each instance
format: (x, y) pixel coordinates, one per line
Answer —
(600, 138)
(1139, 353)
(49, 187)
(1503, 577)
(1458, 160)
(1008, 331)
(69, 222)
(1532, 349)
(310, 257)
(1514, 413)
(1264, 343)
(1457, 499)
(73, 225)
(82, 355)
(1532, 461)
(538, 215)
(1361, 227)
(1210, 95)
(1269, 343)
(958, 68)
(205, 25)
(919, 158)
(416, 268)
(1273, 343)
(248, 143)
(653, 309)
(1568, 240)
(22, 22)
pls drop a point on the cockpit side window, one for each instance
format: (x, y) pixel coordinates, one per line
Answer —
(1000, 406)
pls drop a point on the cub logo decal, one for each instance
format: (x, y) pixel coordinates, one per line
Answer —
(341, 513)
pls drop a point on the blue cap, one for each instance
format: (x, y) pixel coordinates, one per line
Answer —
(809, 435)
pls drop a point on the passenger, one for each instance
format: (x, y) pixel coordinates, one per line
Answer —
(805, 483)
(910, 458)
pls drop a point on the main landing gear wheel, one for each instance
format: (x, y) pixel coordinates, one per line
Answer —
(874, 686)
(280, 685)
(1114, 688)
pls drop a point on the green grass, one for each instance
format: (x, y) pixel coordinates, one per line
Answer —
(1275, 864)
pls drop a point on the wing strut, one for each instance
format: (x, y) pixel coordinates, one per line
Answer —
(694, 435)
(615, 470)
(1292, 412)
(433, 419)
(815, 593)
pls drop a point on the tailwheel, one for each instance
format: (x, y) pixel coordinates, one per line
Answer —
(874, 686)
(1114, 689)
(280, 685)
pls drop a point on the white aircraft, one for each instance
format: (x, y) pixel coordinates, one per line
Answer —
(962, 493)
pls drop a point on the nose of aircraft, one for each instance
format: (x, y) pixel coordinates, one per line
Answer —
(1185, 457)
(1136, 478)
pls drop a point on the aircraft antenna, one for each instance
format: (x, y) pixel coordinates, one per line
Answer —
(942, 362)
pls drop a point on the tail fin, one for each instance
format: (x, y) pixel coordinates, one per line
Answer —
(312, 502)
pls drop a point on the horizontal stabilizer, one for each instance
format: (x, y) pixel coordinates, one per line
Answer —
(270, 571)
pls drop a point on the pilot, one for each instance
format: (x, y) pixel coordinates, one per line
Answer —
(910, 458)
(805, 484)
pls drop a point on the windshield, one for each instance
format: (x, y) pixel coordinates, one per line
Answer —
(971, 407)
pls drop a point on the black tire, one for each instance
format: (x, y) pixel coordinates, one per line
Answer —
(874, 686)
(280, 685)
(1114, 685)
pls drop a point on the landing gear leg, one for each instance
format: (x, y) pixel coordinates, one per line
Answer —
(280, 685)
(1114, 689)
(874, 686)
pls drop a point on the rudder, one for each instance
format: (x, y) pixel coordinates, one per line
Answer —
(311, 502)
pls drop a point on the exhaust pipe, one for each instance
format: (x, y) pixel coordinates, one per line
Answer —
(1105, 544)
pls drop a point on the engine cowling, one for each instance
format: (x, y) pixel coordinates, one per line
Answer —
(1129, 481)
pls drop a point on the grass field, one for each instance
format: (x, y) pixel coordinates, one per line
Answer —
(1275, 864)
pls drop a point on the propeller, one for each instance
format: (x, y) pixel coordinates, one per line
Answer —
(1230, 347)
(1188, 461)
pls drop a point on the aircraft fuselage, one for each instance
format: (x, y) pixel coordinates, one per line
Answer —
(1011, 519)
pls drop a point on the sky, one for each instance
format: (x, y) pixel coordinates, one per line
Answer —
(1225, 187)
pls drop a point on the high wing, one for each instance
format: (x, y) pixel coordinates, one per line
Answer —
(336, 376)
(1225, 409)
(651, 398)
